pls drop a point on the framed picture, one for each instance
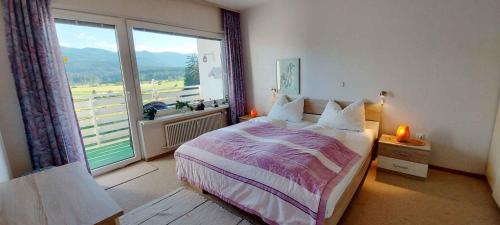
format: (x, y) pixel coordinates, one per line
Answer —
(288, 76)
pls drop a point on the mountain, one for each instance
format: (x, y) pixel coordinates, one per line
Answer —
(91, 65)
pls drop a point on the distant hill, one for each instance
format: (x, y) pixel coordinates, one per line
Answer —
(91, 65)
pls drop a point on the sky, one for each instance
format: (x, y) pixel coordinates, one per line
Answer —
(77, 36)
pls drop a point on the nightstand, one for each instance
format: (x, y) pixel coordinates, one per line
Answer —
(401, 158)
(246, 118)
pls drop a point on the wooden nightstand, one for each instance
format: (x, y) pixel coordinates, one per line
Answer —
(246, 118)
(401, 158)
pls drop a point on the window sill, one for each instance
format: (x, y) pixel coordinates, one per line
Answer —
(182, 116)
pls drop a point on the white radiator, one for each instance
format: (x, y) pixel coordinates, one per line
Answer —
(180, 132)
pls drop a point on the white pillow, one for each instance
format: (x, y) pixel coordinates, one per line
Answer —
(351, 117)
(287, 111)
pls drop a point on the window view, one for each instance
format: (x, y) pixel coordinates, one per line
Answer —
(173, 67)
(92, 64)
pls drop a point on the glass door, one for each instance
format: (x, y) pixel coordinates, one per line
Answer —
(102, 88)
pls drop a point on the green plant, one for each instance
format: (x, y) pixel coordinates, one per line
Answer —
(191, 72)
(181, 104)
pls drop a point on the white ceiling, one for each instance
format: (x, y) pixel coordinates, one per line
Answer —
(237, 5)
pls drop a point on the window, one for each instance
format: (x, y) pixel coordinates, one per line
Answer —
(174, 67)
(114, 65)
(93, 66)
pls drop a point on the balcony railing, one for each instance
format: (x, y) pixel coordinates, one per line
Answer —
(104, 123)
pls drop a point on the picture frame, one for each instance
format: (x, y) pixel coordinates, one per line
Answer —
(288, 76)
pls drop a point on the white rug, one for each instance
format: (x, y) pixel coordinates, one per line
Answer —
(124, 174)
(181, 207)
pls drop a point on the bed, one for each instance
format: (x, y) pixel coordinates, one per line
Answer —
(271, 189)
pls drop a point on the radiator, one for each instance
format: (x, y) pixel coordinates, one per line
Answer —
(180, 132)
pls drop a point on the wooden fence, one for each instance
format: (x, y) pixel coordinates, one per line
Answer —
(103, 118)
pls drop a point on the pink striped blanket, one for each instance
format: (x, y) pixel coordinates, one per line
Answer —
(285, 176)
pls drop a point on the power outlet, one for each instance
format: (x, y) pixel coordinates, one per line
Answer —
(420, 136)
(341, 84)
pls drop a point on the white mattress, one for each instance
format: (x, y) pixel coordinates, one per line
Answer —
(359, 142)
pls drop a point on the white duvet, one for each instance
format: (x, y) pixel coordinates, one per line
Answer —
(359, 142)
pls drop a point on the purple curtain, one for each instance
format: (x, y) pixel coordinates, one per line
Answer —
(42, 86)
(233, 63)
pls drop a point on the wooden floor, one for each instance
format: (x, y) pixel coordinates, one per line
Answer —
(385, 199)
(182, 207)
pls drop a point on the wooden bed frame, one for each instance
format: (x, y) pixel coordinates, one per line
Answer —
(315, 107)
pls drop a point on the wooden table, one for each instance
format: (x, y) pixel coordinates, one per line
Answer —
(63, 195)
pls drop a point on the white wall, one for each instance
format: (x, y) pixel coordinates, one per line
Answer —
(493, 167)
(440, 59)
(184, 13)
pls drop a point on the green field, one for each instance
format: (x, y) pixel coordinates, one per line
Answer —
(86, 90)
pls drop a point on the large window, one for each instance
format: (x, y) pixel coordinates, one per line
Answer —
(115, 65)
(172, 67)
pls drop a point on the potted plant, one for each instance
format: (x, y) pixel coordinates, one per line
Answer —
(183, 106)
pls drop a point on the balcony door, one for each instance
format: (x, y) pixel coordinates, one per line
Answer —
(97, 62)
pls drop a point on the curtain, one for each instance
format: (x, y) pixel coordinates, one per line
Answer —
(44, 94)
(233, 63)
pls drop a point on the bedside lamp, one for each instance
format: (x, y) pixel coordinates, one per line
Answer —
(254, 113)
(403, 133)
(273, 97)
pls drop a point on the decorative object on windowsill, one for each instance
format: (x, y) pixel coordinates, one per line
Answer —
(226, 99)
(288, 76)
(200, 106)
(254, 113)
(215, 105)
(183, 106)
(150, 113)
(152, 108)
(403, 136)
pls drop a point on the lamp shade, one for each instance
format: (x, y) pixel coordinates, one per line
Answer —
(403, 133)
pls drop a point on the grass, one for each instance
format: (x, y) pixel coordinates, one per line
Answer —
(86, 90)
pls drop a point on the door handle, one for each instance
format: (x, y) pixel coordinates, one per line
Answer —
(401, 167)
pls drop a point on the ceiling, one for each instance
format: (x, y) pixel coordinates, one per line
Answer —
(238, 5)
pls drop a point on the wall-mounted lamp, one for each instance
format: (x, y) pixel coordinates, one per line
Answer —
(382, 96)
(274, 91)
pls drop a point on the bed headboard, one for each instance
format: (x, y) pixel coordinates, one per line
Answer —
(373, 111)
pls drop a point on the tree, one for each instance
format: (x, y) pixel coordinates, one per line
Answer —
(192, 74)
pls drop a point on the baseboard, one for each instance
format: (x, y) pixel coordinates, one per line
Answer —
(459, 172)
(160, 155)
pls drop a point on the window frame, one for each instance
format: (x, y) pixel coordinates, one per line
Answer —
(134, 114)
(167, 29)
